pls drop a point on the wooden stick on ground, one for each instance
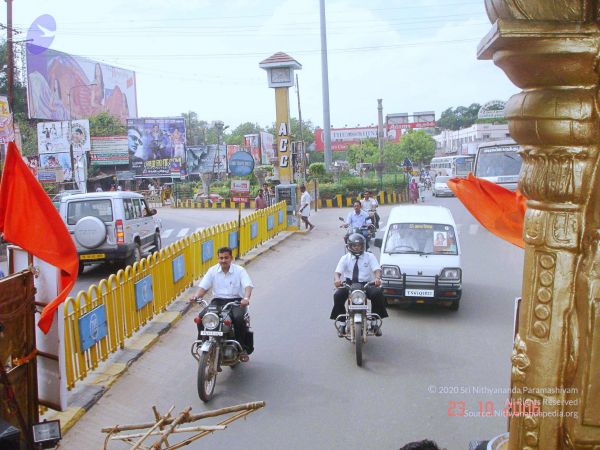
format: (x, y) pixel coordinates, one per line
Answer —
(182, 418)
(159, 423)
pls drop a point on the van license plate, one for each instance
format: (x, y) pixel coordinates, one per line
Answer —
(419, 293)
(211, 333)
(93, 256)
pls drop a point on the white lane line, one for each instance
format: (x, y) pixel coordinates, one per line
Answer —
(473, 228)
(165, 234)
(183, 232)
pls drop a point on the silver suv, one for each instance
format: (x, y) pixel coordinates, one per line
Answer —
(111, 226)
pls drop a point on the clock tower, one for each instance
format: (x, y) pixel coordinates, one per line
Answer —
(280, 75)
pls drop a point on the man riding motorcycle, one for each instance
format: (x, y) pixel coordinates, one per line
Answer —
(359, 219)
(358, 266)
(370, 204)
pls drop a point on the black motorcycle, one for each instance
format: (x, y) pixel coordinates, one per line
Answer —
(368, 232)
(217, 346)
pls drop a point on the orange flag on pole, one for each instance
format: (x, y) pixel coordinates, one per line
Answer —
(29, 219)
(499, 210)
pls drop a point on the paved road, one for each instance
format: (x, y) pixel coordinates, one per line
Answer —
(316, 396)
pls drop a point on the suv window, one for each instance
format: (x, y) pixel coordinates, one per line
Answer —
(102, 209)
(431, 238)
(137, 208)
(128, 208)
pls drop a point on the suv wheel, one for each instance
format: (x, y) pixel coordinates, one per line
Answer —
(136, 256)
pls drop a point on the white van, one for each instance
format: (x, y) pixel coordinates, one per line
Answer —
(420, 256)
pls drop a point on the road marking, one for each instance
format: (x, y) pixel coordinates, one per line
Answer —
(473, 228)
(183, 232)
(165, 234)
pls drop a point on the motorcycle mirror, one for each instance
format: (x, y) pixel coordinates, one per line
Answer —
(341, 218)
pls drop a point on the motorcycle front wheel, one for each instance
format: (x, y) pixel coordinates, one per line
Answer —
(207, 373)
(358, 328)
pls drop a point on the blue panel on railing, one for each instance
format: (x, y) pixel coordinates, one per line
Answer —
(92, 327)
(143, 292)
(178, 264)
(253, 230)
(280, 217)
(233, 239)
(208, 250)
(270, 222)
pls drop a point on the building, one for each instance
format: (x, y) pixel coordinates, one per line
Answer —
(464, 141)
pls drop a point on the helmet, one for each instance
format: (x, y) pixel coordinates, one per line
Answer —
(356, 244)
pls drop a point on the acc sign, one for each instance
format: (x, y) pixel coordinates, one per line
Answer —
(241, 164)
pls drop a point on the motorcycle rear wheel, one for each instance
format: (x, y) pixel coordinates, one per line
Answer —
(358, 328)
(207, 373)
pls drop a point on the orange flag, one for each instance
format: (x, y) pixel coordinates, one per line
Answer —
(29, 219)
(499, 210)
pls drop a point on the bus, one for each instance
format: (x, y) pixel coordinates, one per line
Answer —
(499, 162)
(451, 166)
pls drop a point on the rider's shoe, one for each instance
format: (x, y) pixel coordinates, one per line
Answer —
(378, 332)
(244, 357)
(342, 330)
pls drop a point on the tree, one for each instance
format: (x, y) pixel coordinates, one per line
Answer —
(317, 170)
(459, 117)
(308, 131)
(418, 146)
(195, 129)
(237, 134)
(104, 124)
(365, 152)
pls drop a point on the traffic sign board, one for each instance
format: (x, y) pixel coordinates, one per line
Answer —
(239, 199)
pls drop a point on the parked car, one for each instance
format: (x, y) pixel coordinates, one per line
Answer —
(111, 226)
(420, 256)
(56, 198)
(440, 187)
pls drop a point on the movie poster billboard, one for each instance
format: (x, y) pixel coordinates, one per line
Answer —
(7, 130)
(53, 137)
(56, 161)
(267, 149)
(157, 146)
(252, 143)
(206, 159)
(62, 86)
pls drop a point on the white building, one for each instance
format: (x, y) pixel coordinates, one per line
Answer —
(464, 141)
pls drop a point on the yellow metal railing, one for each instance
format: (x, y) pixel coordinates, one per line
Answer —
(117, 294)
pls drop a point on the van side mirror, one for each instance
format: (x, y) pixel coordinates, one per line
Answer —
(153, 211)
(378, 242)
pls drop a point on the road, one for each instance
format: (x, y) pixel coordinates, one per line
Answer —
(414, 376)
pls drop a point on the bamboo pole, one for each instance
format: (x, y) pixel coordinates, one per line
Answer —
(208, 428)
(159, 423)
(180, 419)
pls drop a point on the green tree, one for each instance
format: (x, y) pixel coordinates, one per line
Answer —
(418, 146)
(104, 124)
(365, 152)
(195, 129)
(317, 170)
(308, 131)
(393, 154)
(237, 134)
(459, 117)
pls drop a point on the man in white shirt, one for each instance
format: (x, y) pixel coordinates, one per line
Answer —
(305, 207)
(229, 282)
(358, 266)
(369, 204)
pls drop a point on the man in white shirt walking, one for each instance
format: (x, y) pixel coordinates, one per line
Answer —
(229, 282)
(305, 207)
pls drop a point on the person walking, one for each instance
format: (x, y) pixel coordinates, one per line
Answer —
(259, 201)
(305, 208)
(268, 196)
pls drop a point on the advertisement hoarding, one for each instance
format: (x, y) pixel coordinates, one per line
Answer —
(53, 137)
(63, 86)
(54, 162)
(7, 131)
(109, 151)
(252, 143)
(157, 146)
(205, 159)
(267, 149)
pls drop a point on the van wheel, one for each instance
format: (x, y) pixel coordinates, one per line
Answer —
(80, 269)
(157, 242)
(136, 256)
(455, 305)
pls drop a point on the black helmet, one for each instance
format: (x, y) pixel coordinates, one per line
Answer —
(356, 244)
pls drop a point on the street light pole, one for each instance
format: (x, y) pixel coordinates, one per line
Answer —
(71, 156)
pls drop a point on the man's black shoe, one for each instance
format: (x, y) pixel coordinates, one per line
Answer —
(378, 332)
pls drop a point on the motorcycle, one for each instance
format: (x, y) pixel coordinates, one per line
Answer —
(358, 322)
(217, 346)
(368, 231)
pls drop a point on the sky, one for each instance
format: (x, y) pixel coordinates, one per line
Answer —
(203, 55)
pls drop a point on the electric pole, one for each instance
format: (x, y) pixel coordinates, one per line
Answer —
(9, 55)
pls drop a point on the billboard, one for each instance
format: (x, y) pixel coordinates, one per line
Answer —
(252, 143)
(7, 130)
(52, 162)
(109, 151)
(157, 146)
(267, 148)
(53, 137)
(342, 138)
(206, 159)
(62, 86)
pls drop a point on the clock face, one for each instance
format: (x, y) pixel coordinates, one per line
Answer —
(281, 75)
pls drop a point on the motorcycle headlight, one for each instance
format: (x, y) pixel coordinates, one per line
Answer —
(390, 272)
(210, 321)
(358, 298)
(451, 273)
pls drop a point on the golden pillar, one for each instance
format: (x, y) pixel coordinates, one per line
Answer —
(549, 49)
(282, 127)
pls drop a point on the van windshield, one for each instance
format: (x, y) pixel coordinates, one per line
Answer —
(102, 209)
(421, 238)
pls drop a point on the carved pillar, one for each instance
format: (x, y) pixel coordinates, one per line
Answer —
(549, 48)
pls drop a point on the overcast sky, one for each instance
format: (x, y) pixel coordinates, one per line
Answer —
(203, 55)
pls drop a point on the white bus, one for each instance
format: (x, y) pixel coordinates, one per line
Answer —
(499, 162)
(451, 166)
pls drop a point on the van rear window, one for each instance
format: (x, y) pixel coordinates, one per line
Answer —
(102, 209)
(421, 238)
